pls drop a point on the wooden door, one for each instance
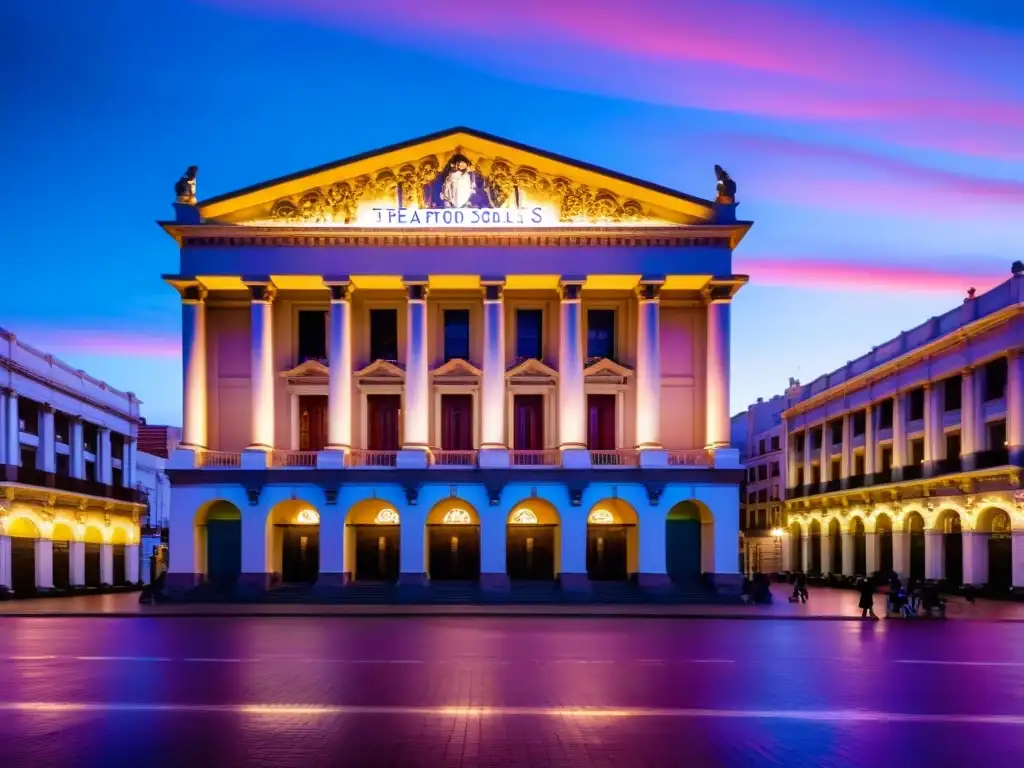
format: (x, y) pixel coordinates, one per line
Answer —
(601, 423)
(312, 422)
(382, 422)
(456, 422)
(529, 423)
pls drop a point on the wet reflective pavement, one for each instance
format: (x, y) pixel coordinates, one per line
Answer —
(531, 691)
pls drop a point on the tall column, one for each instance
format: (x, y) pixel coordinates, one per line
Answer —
(934, 433)
(76, 563)
(573, 572)
(846, 457)
(339, 356)
(901, 554)
(847, 553)
(934, 555)
(47, 456)
(77, 448)
(827, 566)
(44, 564)
(1015, 408)
(131, 563)
(104, 458)
(493, 568)
(870, 448)
(1018, 559)
(257, 551)
(824, 457)
(332, 548)
(899, 435)
(791, 462)
(412, 546)
(808, 474)
(787, 551)
(4, 425)
(5, 561)
(493, 442)
(807, 560)
(128, 458)
(871, 553)
(971, 421)
(106, 564)
(262, 369)
(717, 386)
(572, 400)
(193, 353)
(648, 368)
(975, 554)
(416, 409)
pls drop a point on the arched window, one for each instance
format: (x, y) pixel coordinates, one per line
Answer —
(457, 517)
(523, 517)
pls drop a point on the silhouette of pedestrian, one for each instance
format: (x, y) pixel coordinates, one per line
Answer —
(867, 599)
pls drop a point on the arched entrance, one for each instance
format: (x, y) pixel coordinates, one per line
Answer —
(373, 541)
(689, 541)
(915, 530)
(293, 535)
(796, 548)
(835, 540)
(612, 541)
(883, 540)
(532, 541)
(860, 548)
(815, 532)
(23, 533)
(117, 543)
(996, 522)
(453, 541)
(219, 545)
(952, 546)
(93, 542)
(62, 537)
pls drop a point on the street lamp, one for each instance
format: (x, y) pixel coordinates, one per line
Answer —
(777, 534)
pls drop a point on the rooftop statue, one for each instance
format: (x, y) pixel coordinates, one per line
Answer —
(185, 187)
(726, 186)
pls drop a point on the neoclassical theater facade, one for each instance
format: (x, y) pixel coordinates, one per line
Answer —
(458, 358)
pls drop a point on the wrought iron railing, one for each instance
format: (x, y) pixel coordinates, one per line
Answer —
(218, 459)
(691, 457)
(625, 457)
(361, 458)
(293, 459)
(441, 458)
(545, 458)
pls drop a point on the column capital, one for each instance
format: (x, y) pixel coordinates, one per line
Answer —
(416, 290)
(8, 391)
(569, 289)
(261, 292)
(494, 290)
(340, 290)
(649, 290)
(192, 294)
(47, 407)
(717, 293)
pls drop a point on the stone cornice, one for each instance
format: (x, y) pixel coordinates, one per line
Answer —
(703, 235)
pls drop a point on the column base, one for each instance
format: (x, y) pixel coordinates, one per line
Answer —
(574, 582)
(184, 457)
(653, 580)
(575, 458)
(494, 458)
(495, 582)
(653, 457)
(255, 458)
(331, 458)
(726, 584)
(411, 458)
(413, 580)
(727, 458)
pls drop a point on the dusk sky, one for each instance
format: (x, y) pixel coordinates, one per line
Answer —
(878, 145)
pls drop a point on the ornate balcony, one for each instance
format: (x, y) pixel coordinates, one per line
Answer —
(440, 458)
(695, 457)
(363, 459)
(293, 459)
(546, 458)
(624, 457)
(218, 459)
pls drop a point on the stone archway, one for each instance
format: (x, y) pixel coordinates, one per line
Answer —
(858, 537)
(453, 541)
(949, 524)
(93, 554)
(815, 537)
(613, 541)
(689, 541)
(293, 541)
(119, 566)
(835, 540)
(915, 531)
(373, 541)
(219, 542)
(24, 533)
(996, 525)
(533, 541)
(883, 543)
(62, 537)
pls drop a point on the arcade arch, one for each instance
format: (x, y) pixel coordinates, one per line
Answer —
(453, 541)
(689, 541)
(883, 542)
(62, 537)
(373, 541)
(23, 532)
(995, 524)
(533, 541)
(835, 540)
(948, 522)
(796, 549)
(219, 542)
(293, 541)
(815, 535)
(613, 542)
(915, 532)
(858, 539)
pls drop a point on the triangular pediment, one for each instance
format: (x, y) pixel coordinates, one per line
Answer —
(409, 185)
(530, 368)
(381, 369)
(308, 369)
(457, 368)
(605, 368)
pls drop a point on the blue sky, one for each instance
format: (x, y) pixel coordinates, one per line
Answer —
(878, 146)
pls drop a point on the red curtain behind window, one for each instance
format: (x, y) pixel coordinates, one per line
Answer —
(382, 422)
(457, 422)
(601, 422)
(529, 423)
(313, 422)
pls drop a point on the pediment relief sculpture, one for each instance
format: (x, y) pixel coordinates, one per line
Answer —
(382, 369)
(456, 368)
(530, 368)
(606, 368)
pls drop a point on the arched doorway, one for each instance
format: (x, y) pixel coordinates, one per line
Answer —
(373, 541)
(453, 541)
(996, 523)
(118, 540)
(835, 540)
(23, 533)
(93, 571)
(532, 541)
(860, 548)
(952, 546)
(915, 530)
(815, 532)
(612, 541)
(219, 548)
(689, 541)
(883, 540)
(62, 537)
(796, 548)
(293, 535)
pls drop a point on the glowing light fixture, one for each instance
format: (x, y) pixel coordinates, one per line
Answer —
(601, 517)
(777, 533)
(386, 517)
(524, 517)
(457, 517)
(308, 517)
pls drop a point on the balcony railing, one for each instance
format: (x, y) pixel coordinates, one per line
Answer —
(833, 485)
(218, 459)
(293, 459)
(548, 458)
(626, 457)
(360, 458)
(38, 478)
(855, 481)
(882, 477)
(691, 457)
(997, 457)
(948, 466)
(913, 472)
(453, 458)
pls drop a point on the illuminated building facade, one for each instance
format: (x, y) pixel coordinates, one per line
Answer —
(69, 508)
(457, 358)
(909, 459)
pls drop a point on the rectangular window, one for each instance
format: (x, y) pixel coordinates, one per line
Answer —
(529, 333)
(996, 436)
(762, 472)
(916, 404)
(815, 474)
(383, 334)
(63, 464)
(885, 414)
(995, 373)
(799, 443)
(601, 333)
(90, 471)
(762, 496)
(953, 445)
(28, 457)
(799, 477)
(775, 442)
(917, 451)
(312, 342)
(859, 423)
(817, 436)
(28, 416)
(835, 468)
(775, 469)
(116, 445)
(837, 432)
(886, 458)
(61, 427)
(751, 498)
(117, 478)
(751, 475)
(952, 388)
(762, 447)
(858, 464)
(90, 437)
(456, 334)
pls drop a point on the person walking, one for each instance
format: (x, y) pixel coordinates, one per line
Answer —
(867, 599)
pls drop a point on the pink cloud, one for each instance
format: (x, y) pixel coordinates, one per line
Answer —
(846, 276)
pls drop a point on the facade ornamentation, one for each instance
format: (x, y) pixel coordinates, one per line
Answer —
(725, 187)
(185, 187)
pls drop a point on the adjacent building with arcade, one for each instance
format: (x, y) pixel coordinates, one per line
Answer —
(455, 359)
